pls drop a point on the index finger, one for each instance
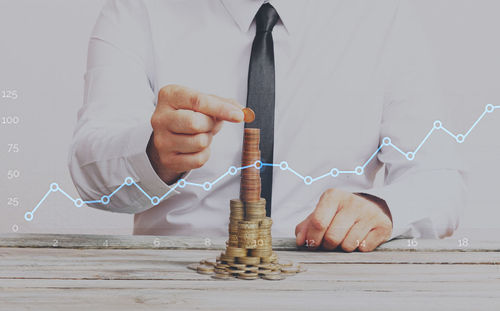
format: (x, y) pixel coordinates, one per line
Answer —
(214, 106)
(322, 216)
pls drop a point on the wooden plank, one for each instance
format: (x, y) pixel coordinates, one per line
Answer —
(403, 275)
(16, 256)
(135, 279)
(353, 277)
(239, 295)
(171, 264)
(151, 299)
(179, 242)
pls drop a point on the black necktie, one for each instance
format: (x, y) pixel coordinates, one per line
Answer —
(261, 93)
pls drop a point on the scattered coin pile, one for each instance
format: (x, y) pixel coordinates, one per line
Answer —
(249, 254)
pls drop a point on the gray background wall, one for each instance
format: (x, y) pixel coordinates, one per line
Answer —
(43, 53)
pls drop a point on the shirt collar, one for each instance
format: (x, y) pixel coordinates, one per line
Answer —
(243, 12)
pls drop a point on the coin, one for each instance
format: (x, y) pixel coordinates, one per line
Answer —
(273, 277)
(248, 225)
(265, 271)
(286, 263)
(222, 266)
(249, 250)
(249, 115)
(236, 203)
(252, 268)
(205, 272)
(210, 262)
(219, 276)
(238, 265)
(266, 223)
(226, 259)
(261, 252)
(235, 251)
(245, 277)
(193, 266)
(220, 271)
(205, 268)
(251, 261)
(248, 276)
(289, 270)
(271, 272)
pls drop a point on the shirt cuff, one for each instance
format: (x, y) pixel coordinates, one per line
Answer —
(145, 175)
(401, 222)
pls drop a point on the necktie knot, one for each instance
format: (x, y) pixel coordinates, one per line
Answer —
(266, 18)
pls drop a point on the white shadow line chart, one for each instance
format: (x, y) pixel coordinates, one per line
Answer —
(233, 170)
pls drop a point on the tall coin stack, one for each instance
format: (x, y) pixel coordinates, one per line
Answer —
(249, 254)
(250, 176)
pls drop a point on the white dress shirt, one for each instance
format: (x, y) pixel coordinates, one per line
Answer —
(348, 74)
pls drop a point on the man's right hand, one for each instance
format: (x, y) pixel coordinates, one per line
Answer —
(184, 124)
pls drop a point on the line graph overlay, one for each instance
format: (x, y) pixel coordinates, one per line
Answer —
(233, 170)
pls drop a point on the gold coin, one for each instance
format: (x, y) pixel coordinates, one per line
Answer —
(273, 277)
(193, 266)
(265, 271)
(249, 115)
(205, 272)
(220, 271)
(235, 252)
(253, 261)
(202, 268)
(252, 268)
(210, 262)
(238, 265)
(286, 263)
(265, 266)
(249, 273)
(289, 270)
(272, 272)
(248, 276)
(222, 266)
(222, 276)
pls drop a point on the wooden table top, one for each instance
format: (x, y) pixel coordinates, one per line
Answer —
(52, 272)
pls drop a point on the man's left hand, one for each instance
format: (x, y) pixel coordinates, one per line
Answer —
(346, 220)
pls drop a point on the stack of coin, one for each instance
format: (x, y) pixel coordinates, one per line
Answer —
(255, 210)
(236, 215)
(250, 176)
(249, 254)
(264, 248)
(248, 233)
(247, 269)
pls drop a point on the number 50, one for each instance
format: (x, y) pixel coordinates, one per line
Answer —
(11, 174)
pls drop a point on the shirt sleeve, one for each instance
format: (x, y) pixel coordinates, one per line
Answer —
(424, 185)
(113, 127)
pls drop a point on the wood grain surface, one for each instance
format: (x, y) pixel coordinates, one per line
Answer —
(134, 273)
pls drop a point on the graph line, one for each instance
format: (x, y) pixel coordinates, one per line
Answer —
(233, 170)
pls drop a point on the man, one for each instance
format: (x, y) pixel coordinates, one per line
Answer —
(332, 82)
